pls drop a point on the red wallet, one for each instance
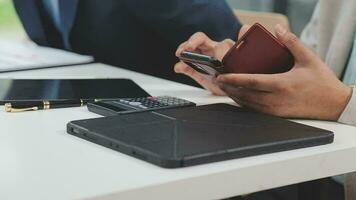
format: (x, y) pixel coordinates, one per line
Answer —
(258, 52)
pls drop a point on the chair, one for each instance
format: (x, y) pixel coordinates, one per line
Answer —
(267, 19)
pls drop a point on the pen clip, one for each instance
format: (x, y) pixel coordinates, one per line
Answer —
(9, 108)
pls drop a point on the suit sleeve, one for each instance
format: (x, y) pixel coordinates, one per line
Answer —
(349, 114)
(176, 20)
(37, 24)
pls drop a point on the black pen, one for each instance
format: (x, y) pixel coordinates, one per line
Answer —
(33, 105)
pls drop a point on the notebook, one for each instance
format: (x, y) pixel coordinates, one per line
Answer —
(16, 55)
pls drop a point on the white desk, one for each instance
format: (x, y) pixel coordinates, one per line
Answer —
(39, 160)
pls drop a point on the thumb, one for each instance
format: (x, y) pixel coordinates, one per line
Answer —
(291, 41)
(243, 30)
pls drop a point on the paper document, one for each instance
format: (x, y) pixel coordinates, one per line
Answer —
(16, 55)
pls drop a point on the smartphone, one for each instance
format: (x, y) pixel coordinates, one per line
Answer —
(204, 64)
(256, 52)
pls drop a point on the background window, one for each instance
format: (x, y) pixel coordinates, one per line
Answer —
(10, 26)
(291, 8)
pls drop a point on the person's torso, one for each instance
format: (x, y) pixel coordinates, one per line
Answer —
(330, 33)
(108, 31)
(114, 36)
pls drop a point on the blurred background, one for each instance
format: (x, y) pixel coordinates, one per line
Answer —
(10, 26)
(298, 11)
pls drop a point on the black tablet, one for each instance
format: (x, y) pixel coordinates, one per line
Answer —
(195, 135)
(49, 89)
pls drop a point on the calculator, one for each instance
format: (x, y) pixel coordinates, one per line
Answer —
(133, 105)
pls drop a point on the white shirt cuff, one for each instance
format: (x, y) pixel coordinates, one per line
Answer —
(349, 114)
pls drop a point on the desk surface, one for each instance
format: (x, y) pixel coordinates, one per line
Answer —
(39, 160)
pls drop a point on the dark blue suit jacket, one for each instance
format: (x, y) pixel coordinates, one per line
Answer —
(140, 35)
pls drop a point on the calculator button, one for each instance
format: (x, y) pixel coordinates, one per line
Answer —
(134, 103)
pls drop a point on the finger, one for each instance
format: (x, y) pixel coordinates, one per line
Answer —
(214, 88)
(199, 40)
(299, 51)
(180, 49)
(203, 80)
(180, 67)
(248, 95)
(250, 105)
(222, 48)
(261, 82)
(243, 30)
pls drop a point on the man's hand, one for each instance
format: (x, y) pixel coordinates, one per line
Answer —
(309, 90)
(201, 43)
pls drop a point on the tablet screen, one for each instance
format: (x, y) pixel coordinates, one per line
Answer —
(50, 89)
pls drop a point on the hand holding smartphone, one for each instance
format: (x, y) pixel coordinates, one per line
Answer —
(256, 52)
(204, 64)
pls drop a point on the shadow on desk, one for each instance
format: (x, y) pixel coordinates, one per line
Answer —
(322, 189)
